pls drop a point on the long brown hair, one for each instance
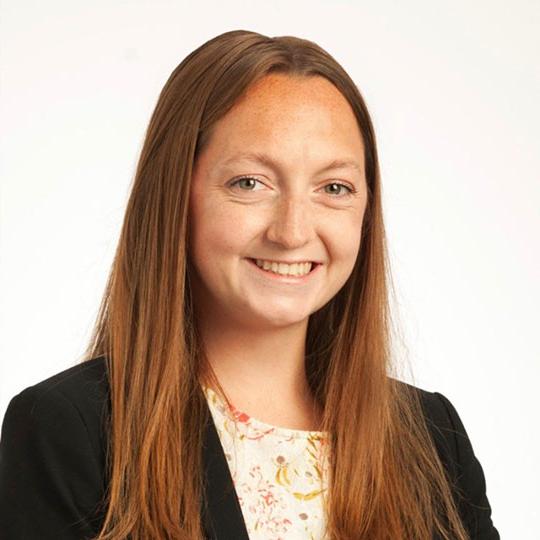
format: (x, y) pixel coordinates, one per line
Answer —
(386, 480)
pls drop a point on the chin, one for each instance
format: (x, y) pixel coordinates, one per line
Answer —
(278, 319)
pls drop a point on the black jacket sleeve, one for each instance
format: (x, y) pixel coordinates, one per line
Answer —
(50, 477)
(473, 503)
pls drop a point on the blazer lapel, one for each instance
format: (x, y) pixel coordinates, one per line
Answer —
(221, 512)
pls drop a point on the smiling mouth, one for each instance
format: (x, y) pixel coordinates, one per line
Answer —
(314, 265)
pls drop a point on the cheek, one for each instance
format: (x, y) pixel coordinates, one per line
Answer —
(343, 238)
(221, 230)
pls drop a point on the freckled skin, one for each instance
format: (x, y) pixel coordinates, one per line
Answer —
(254, 328)
(289, 214)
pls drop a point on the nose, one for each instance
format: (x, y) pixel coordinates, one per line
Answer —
(292, 223)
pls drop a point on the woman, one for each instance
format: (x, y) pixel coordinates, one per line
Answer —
(239, 380)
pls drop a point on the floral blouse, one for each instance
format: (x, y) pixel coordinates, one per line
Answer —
(279, 474)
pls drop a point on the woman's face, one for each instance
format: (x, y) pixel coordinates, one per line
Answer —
(267, 187)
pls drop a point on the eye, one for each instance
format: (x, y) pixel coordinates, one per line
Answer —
(248, 180)
(350, 190)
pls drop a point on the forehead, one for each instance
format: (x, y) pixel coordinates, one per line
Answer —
(293, 90)
(288, 115)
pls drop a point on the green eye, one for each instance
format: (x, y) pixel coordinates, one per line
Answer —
(250, 183)
(340, 185)
(245, 179)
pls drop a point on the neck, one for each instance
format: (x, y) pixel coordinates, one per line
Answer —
(262, 372)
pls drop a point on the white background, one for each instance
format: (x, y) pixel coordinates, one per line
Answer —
(454, 90)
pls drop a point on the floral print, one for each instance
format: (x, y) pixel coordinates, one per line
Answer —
(280, 474)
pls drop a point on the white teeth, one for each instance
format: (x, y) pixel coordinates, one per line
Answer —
(296, 269)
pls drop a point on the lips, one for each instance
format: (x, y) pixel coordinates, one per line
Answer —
(313, 263)
(284, 279)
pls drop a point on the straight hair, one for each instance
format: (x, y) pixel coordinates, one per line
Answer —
(386, 480)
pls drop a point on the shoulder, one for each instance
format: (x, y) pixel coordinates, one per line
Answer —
(445, 426)
(81, 391)
(434, 404)
(456, 452)
(440, 416)
(87, 379)
(53, 454)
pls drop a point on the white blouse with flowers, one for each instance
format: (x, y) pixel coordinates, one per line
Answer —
(279, 474)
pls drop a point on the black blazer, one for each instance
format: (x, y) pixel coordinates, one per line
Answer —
(52, 463)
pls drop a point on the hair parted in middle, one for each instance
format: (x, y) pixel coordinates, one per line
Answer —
(386, 480)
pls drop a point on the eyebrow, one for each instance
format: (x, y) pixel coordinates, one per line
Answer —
(265, 159)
